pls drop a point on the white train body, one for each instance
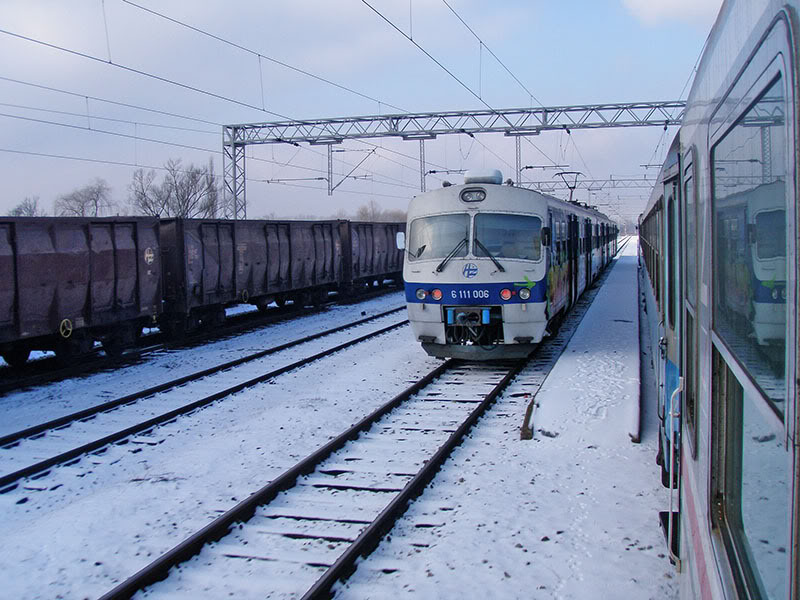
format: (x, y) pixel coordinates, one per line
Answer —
(488, 266)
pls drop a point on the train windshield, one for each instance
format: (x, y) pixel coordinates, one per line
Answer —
(438, 236)
(771, 234)
(508, 236)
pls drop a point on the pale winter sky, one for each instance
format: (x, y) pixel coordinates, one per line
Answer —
(78, 75)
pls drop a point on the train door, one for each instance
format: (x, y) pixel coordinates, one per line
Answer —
(670, 349)
(587, 250)
(572, 225)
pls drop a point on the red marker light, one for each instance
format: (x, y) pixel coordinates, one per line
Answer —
(505, 294)
(436, 294)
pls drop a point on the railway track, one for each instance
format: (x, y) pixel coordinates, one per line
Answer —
(305, 530)
(51, 370)
(33, 451)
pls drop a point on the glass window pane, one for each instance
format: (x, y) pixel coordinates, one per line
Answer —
(691, 242)
(749, 274)
(509, 236)
(437, 237)
(757, 493)
(771, 234)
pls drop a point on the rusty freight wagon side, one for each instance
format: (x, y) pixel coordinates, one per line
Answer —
(67, 282)
(211, 263)
(373, 253)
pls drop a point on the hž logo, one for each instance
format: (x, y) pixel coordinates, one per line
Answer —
(470, 270)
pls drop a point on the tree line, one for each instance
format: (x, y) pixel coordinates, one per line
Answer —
(188, 192)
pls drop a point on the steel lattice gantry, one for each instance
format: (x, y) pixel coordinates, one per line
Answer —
(425, 126)
(593, 184)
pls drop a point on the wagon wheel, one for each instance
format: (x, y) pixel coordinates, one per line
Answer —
(113, 346)
(65, 328)
(68, 350)
(318, 297)
(16, 357)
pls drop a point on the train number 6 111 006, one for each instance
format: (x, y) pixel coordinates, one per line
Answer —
(467, 294)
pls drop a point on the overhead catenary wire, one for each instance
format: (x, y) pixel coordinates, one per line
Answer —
(450, 73)
(168, 143)
(435, 60)
(138, 107)
(261, 56)
(147, 74)
(157, 168)
(192, 88)
(489, 50)
(107, 100)
(113, 119)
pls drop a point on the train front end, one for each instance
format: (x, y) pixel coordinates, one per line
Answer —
(475, 269)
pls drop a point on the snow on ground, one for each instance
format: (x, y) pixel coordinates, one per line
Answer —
(569, 514)
(82, 529)
(572, 513)
(26, 408)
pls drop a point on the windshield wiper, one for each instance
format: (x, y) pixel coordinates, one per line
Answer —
(453, 252)
(489, 254)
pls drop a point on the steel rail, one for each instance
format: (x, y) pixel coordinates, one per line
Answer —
(371, 536)
(9, 482)
(130, 398)
(159, 568)
(234, 324)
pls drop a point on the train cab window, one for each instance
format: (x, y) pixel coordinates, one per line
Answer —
(508, 236)
(749, 271)
(438, 236)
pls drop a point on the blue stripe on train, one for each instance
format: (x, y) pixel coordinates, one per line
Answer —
(762, 291)
(469, 294)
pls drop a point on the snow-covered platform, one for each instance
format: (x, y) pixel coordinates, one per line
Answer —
(572, 513)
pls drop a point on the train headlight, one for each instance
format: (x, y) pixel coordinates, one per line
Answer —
(505, 294)
(473, 195)
(783, 294)
(421, 294)
(436, 294)
(774, 293)
(524, 293)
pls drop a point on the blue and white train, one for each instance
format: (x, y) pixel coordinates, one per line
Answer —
(490, 268)
(719, 246)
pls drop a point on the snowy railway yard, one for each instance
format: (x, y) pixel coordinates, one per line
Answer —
(570, 513)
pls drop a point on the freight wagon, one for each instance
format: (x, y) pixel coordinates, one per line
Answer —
(70, 282)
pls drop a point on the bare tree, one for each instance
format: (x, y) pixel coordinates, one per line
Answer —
(374, 213)
(191, 192)
(368, 212)
(93, 200)
(27, 208)
(394, 216)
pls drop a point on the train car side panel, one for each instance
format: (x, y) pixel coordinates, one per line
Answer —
(8, 292)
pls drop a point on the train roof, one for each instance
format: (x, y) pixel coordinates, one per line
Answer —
(448, 197)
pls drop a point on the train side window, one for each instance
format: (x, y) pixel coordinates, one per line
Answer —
(752, 475)
(752, 486)
(690, 217)
(750, 250)
(672, 271)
